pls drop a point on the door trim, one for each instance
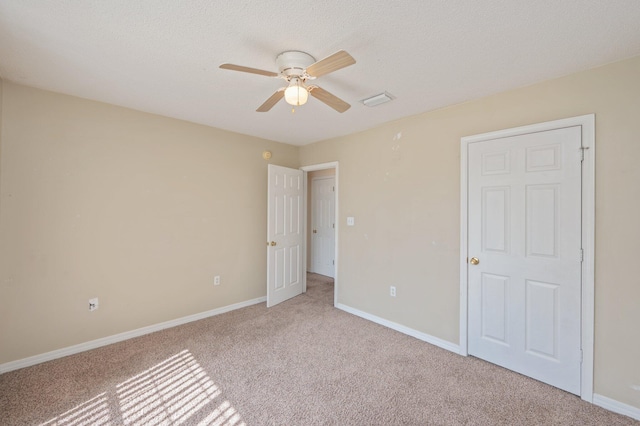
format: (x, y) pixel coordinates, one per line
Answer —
(587, 123)
(313, 168)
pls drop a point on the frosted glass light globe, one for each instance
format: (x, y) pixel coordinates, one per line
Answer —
(296, 94)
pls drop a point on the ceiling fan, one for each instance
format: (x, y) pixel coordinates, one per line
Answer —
(298, 68)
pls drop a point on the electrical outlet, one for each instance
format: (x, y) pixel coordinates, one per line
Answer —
(216, 280)
(93, 304)
(392, 291)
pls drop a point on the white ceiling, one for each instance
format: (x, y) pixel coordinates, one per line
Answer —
(162, 56)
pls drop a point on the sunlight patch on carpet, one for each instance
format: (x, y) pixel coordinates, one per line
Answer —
(92, 412)
(172, 391)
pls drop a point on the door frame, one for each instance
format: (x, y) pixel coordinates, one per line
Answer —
(313, 168)
(587, 123)
(312, 216)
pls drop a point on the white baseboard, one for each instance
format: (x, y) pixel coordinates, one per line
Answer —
(616, 406)
(92, 344)
(402, 329)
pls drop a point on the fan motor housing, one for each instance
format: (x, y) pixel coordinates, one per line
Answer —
(294, 62)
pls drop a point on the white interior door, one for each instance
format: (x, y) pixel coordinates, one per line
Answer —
(323, 226)
(285, 238)
(524, 228)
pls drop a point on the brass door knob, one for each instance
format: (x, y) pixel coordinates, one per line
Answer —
(273, 243)
(474, 261)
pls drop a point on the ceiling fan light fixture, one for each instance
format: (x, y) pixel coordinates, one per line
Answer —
(296, 94)
(297, 68)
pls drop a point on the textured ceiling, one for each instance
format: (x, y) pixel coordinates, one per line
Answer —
(162, 56)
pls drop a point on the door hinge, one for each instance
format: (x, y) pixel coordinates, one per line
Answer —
(333, 188)
(333, 262)
(333, 225)
(581, 356)
(582, 149)
(581, 255)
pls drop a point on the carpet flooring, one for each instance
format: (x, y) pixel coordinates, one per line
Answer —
(302, 362)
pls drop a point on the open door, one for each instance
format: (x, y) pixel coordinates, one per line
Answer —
(285, 234)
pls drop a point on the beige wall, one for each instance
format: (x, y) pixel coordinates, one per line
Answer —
(405, 196)
(310, 177)
(138, 210)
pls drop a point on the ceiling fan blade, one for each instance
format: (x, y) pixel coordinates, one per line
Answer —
(273, 99)
(332, 63)
(233, 67)
(329, 99)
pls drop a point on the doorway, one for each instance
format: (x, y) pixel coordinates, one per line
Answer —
(321, 219)
(323, 249)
